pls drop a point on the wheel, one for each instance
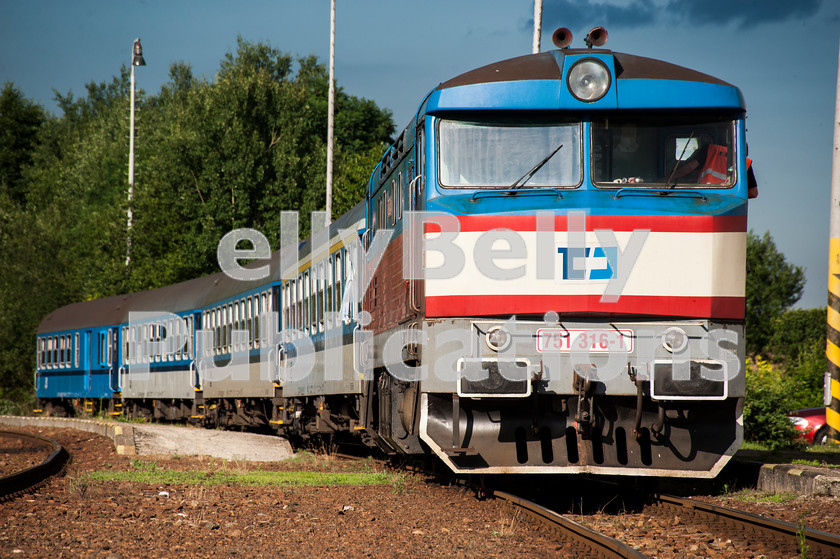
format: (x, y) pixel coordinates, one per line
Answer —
(821, 436)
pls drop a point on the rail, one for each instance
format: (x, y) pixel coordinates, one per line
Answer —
(25, 480)
(788, 537)
(585, 541)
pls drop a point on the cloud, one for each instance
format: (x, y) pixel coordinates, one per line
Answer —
(577, 14)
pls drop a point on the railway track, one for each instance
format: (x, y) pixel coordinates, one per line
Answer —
(582, 541)
(27, 479)
(782, 536)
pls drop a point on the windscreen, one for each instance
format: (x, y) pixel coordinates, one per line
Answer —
(663, 151)
(504, 155)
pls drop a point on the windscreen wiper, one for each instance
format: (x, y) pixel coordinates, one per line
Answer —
(679, 161)
(520, 182)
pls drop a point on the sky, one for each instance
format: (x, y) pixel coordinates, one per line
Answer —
(782, 54)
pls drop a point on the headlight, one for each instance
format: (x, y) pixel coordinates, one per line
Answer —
(588, 80)
(674, 339)
(497, 338)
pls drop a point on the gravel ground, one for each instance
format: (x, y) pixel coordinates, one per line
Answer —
(72, 517)
(412, 516)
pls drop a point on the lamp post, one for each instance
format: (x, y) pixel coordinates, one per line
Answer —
(331, 115)
(537, 25)
(136, 60)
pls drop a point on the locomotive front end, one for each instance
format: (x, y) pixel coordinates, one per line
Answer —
(581, 240)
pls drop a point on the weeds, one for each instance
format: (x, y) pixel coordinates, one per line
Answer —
(508, 525)
(817, 463)
(801, 538)
(78, 486)
(143, 465)
(755, 496)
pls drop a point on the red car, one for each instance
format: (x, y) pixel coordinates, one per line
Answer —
(811, 423)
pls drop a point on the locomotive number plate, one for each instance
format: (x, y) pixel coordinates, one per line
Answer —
(560, 340)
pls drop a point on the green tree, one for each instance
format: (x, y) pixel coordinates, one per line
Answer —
(211, 156)
(773, 285)
(20, 121)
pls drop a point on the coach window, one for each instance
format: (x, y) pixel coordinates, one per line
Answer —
(245, 323)
(264, 312)
(125, 344)
(190, 334)
(295, 326)
(339, 278)
(310, 289)
(249, 324)
(391, 204)
(330, 293)
(223, 332)
(229, 328)
(307, 293)
(237, 326)
(322, 304)
(398, 194)
(249, 321)
(287, 305)
(217, 330)
(170, 339)
(257, 313)
(103, 349)
(220, 324)
(241, 325)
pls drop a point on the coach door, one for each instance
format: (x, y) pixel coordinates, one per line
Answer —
(113, 353)
(86, 358)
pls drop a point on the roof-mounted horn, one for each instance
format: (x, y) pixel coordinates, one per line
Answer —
(596, 37)
(562, 38)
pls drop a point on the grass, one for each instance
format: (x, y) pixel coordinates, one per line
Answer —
(149, 471)
(818, 463)
(252, 478)
(755, 496)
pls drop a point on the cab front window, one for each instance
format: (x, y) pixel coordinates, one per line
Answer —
(663, 151)
(506, 155)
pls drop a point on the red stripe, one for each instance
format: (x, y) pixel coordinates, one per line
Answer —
(658, 223)
(488, 305)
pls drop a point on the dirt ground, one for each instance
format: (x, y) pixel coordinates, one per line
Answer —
(76, 517)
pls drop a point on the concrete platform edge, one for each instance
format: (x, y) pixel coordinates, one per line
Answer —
(800, 479)
(122, 434)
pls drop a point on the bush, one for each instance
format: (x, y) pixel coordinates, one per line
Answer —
(795, 333)
(806, 376)
(767, 404)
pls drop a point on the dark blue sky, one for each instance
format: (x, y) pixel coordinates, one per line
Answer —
(782, 54)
